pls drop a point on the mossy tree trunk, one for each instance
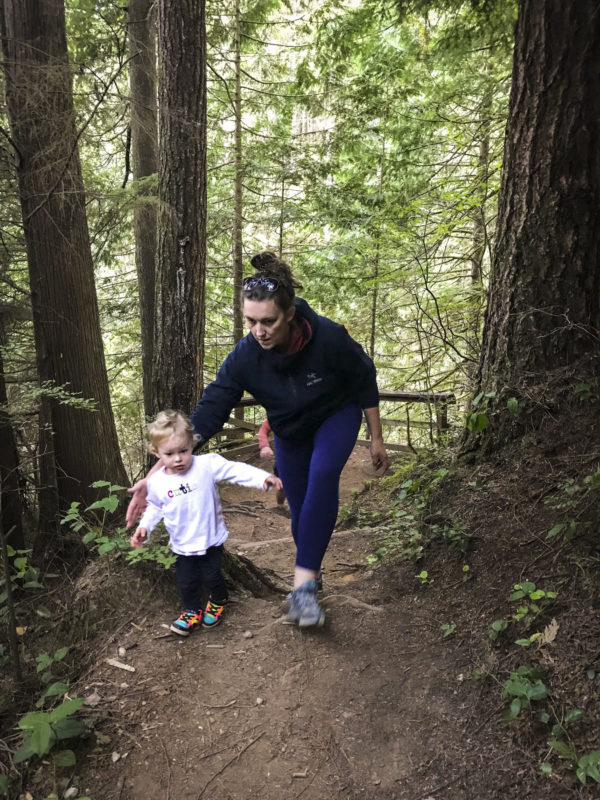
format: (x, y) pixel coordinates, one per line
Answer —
(66, 322)
(181, 268)
(10, 491)
(543, 310)
(144, 162)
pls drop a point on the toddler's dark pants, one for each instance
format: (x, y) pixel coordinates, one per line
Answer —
(194, 572)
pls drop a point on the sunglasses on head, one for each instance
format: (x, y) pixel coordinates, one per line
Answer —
(268, 284)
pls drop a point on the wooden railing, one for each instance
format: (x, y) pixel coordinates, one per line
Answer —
(230, 437)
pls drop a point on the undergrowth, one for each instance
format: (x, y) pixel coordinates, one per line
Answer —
(535, 640)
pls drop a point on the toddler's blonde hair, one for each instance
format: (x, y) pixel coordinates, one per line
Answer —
(165, 424)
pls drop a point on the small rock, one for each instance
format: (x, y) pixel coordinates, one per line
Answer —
(72, 791)
(115, 757)
(122, 652)
(247, 634)
(259, 701)
(93, 700)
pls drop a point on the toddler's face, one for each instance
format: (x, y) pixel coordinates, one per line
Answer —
(175, 453)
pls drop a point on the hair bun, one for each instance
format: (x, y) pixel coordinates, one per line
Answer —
(264, 260)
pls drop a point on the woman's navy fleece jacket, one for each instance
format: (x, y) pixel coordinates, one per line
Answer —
(298, 390)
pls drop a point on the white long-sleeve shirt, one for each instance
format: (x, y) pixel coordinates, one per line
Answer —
(190, 504)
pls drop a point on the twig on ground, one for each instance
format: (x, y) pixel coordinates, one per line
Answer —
(168, 767)
(224, 767)
(227, 705)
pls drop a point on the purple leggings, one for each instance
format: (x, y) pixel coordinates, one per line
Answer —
(310, 471)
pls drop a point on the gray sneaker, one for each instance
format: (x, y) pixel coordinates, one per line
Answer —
(304, 608)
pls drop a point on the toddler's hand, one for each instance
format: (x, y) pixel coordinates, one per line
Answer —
(266, 452)
(138, 538)
(272, 482)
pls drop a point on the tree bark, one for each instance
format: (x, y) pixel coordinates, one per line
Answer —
(544, 304)
(238, 323)
(65, 311)
(10, 491)
(243, 573)
(142, 75)
(181, 275)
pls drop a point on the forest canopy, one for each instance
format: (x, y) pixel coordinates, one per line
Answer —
(362, 141)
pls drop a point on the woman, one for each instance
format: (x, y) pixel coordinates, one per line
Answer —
(314, 381)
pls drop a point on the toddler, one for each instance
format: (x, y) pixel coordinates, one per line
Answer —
(183, 492)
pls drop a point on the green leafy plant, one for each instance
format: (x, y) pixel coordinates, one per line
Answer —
(528, 641)
(115, 542)
(94, 526)
(567, 529)
(477, 421)
(585, 766)
(43, 729)
(107, 505)
(525, 686)
(423, 576)
(22, 574)
(448, 628)
(159, 553)
(44, 664)
(512, 405)
(535, 600)
(454, 536)
(588, 766)
(400, 534)
(497, 627)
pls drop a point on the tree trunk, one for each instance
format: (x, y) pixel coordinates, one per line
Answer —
(544, 304)
(10, 490)
(238, 323)
(65, 311)
(181, 275)
(142, 71)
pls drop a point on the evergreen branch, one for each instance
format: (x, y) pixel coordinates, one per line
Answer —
(78, 136)
(224, 82)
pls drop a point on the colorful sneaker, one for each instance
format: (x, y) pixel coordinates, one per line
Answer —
(304, 607)
(186, 621)
(212, 614)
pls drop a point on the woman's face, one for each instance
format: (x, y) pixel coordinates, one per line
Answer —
(268, 323)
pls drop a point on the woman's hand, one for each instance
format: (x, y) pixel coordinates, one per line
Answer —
(137, 504)
(379, 457)
(272, 482)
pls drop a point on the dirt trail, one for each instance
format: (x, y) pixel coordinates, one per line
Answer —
(371, 706)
